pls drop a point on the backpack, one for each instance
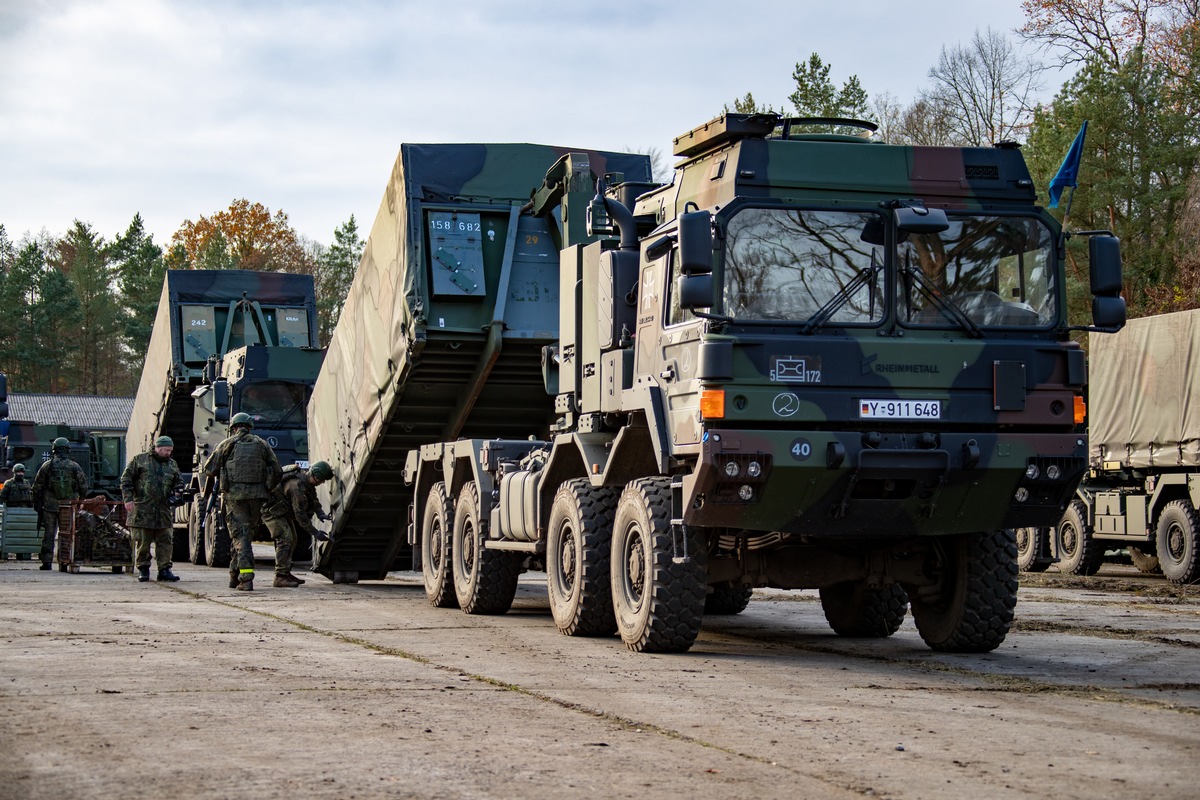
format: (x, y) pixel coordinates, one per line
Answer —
(61, 485)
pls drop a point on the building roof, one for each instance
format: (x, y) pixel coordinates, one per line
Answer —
(83, 411)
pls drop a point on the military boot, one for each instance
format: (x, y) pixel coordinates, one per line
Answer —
(45, 565)
(167, 575)
(246, 586)
(143, 574)
(293, 577)
(285, 581)
(233, 581)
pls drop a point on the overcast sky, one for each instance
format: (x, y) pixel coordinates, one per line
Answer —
(175, 108)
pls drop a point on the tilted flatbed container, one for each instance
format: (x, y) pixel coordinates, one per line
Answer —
(442, 332)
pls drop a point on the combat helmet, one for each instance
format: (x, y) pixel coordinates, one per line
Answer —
(321, 471)
(61, 443)
(241, 418)
(18, 468)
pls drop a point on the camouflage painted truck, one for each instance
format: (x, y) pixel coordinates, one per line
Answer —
(101, 454)
(223, 342)
(442, 333)
(811, 361)
(1142, 489)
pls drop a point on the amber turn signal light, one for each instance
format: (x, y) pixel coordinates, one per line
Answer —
(712, 403)
(1080, 411)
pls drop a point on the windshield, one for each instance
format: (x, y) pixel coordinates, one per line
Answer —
(275, 403)
(789, 264)
(997, 271)
(821, 267)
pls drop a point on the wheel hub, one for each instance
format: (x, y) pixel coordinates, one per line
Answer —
(1175, 542)
(567, 559)
(635, 565)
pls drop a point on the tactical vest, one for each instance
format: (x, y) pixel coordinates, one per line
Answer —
(244, 464)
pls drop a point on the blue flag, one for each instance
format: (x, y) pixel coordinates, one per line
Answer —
(1068, 171)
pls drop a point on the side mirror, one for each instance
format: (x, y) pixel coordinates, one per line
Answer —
(1104, 265)
(916, 219)
(1108, 312)
(210, 370)
(221, 414)
(1104, 268)
(695, 242)
(221, 395)
(695, 291)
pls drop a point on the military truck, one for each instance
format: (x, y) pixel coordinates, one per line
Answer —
(813, 360)
(101, 454)
(441, 334)
(226, 341)
(1142, 488)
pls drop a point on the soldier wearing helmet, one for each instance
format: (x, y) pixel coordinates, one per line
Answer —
(247, 471)
(58, 480)
(147, 484)
(17, 492)
(291, 508)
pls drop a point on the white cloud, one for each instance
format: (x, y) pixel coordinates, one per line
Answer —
(173, 108)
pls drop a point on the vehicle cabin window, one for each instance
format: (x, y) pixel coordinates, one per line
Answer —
(676, 315)
(788, 264)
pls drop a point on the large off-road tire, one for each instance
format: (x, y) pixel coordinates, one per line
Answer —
(578, 549)
(1178, 535)
(218, 549)
(1079, 552)
(727, 598)
(485, 581)
(195, 540)
(859, 611)
(973, 609)
(1145, 560)
(181, 545)
(436, 531)
(1033, 549)
(658, 590)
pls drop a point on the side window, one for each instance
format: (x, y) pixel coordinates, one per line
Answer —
(675, 314)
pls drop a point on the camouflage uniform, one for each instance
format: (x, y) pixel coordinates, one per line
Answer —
(243, 495)
(291, 507)
(17, 492)
(149, 481)
(59, 480)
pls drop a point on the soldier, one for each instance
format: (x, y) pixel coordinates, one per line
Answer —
(147, 484)
(59, 480)
(248, 471)
(291, 508)
(17, 493)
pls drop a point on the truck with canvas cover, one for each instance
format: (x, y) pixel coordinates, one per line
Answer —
(225, 341)
(813, 360)
(441, 334)
(1142, 488)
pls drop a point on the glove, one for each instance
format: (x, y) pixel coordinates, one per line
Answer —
(321, 515)
(321, 536)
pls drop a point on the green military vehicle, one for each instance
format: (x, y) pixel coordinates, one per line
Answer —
(102, 455)
(811, 361)
(223, 342)
(1142, 489)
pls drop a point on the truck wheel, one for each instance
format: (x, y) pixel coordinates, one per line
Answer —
(1146, 562)
(1178, 534)
(485, 581)
(1033, 549)
(217, 547)
(727, 598)
(858, 611)
(1079, 553)
(973, 608)
(658, 593)
(195, 542)
(578, 548)
(435, 548)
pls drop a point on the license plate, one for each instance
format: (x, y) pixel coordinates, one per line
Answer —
(900, 409)
(302, 463)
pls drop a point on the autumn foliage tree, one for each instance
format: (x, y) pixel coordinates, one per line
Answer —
(244, 236)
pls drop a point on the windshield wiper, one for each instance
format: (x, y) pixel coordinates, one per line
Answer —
(944, 304)
(826, 312)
